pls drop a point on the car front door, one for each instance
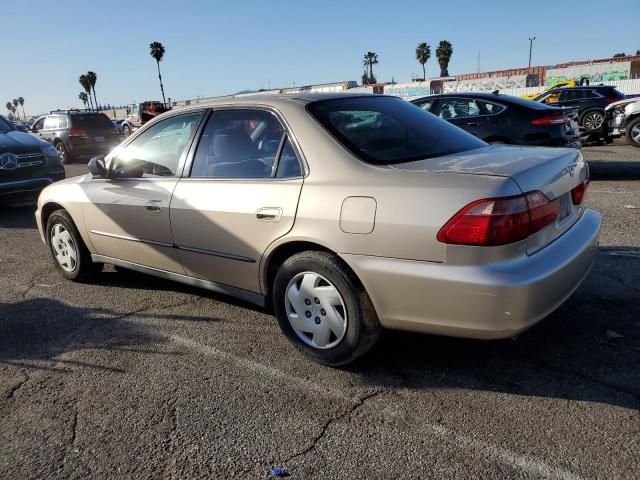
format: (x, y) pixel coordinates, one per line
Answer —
(464, 113)
(240, 195)
(127, 214)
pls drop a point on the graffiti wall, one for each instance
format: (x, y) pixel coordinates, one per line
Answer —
(408, 90)
(600, 72)
(486, 84)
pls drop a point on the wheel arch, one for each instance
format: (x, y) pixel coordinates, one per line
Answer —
(279, 254)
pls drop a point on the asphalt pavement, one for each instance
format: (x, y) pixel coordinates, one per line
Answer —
(131, 376)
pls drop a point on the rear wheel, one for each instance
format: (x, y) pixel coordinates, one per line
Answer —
(69, 253)
(323, 310)
(632, 132)
(592, 120)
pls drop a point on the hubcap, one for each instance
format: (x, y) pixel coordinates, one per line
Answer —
(593, 121)
(635, 133)
(64, 248)
(316, 310)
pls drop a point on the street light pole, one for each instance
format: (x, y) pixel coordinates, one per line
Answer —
(531, 39)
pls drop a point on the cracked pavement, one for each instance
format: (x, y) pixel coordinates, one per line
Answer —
(136, 377)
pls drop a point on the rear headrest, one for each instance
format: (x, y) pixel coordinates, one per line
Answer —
(233, 143)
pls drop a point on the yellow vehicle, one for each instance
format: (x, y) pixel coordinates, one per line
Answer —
(562, 83)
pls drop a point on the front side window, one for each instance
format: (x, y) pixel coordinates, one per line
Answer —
(241, 144)
(51, 123)
(386, 130)
(458, 108)
(38, 125)
(157, 151)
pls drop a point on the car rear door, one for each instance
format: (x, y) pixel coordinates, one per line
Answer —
(127, 214)
(239, 193)
(464, 113)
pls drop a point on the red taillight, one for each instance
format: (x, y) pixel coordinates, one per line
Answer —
(77, 132)
(577, 193)
(558, 119)
(498, 221)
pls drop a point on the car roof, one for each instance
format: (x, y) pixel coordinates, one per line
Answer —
(273, 100)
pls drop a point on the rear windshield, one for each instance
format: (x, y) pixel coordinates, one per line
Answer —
(386, 130)
(91, 120)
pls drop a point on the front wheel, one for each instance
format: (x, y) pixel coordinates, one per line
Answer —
(126, 130)
(69, 253)
(632, 132)
(323, 309)
(592, 120)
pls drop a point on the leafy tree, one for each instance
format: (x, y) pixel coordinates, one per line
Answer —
(93, 78)
(21, 102)
(423, 54)
(443, 54)
(370, 59)
(157, 51)
(84, 81)
(83, 98)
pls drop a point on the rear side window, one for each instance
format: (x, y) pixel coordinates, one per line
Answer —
(63, 122)
(387, 130)
(95, 120)
(491, 108)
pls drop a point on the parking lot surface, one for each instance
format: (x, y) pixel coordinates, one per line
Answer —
(134, 376)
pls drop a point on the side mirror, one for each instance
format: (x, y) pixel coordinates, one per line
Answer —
(97, 167)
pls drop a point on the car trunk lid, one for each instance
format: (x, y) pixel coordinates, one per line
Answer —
(555, 172)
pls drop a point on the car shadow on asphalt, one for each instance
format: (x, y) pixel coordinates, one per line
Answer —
(587, 350)
(614, 170)
(35, 332)
(18, 216)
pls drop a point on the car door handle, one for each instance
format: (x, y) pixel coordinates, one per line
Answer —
(154, 206)
(473, 124)
(269, 214)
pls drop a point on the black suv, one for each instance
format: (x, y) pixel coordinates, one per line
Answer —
(27, 164)
(77, 134)
(590, 101)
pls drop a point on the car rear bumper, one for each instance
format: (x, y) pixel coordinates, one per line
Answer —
(491, 301)
(88, 150)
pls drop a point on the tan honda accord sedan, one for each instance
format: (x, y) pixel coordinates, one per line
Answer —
(349, 213)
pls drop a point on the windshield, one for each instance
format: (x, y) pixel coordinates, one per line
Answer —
(386, 130)
(5, 126)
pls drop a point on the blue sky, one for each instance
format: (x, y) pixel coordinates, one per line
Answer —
(220, 47)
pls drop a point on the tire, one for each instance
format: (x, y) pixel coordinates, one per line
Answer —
(69, 253)
(346, 310)
(126, 130)
(632, 132)
(64, 152)
(592, 120)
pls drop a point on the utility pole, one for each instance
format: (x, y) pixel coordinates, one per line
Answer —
(531, 39)
(478, 61)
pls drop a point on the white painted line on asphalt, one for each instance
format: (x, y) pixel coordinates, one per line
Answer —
(506, 457)
(257, 367)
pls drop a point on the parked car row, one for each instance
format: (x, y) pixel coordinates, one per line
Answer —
(347, 213)
(561, 116)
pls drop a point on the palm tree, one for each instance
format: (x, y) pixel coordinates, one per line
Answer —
(423, 53)
(83, 98)
(370, 59)
(93, 78)
(21, 102)
(84, 81)
(156, 49)
(15, 105)
(443, 54)
(9, 106)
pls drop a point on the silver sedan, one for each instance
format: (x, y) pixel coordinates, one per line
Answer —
(348, 213)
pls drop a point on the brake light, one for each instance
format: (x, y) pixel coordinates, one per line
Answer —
(578, 193)
(499, 221)
(557, 119)
(77, 132)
